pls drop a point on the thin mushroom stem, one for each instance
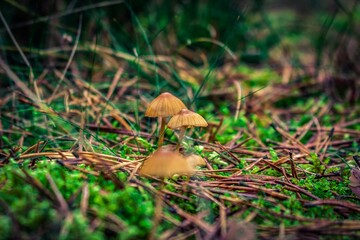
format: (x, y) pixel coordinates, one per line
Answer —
(181, 136)
(162, 131)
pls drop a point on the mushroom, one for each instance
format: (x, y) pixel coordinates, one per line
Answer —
(195, 160)
(185, 119)
(355, 181)
(165, 162)
(165, 105)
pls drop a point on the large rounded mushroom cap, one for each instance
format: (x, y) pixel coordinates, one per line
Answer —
(187, 118)
(195, 160)
(164, 105)
(165, 163)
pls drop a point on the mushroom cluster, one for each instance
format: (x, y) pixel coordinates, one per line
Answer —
(167, 160)
(165, 105)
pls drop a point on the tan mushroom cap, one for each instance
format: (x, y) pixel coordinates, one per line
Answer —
(164, 105)
(187, 118)
(195, 160)
(165, 162)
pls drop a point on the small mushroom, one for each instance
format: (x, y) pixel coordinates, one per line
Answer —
(185, 119)
(355, 177)
(165, 162)
(165, 105)
(355, 181)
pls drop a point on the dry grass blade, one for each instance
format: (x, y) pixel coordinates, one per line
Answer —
(293, 168)
(121, 120)
(64, 208)
(159, 204)
(333, 202)
(15, 226)
(70, 58)
(70, 155)
(298, 189)
(198, 222)
(72, 167)
(292, 139)
(37, 185)
(84, 204)
(19, 83)
(121, 165)
(114, 83)
(17, 46)
(119, 131)
(238, 102)
(322, 227)
(238, 201)
(108, 173)
(223, 222)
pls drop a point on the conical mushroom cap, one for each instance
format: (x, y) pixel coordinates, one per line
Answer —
(165, 163)
(164, 105)
(187, 118)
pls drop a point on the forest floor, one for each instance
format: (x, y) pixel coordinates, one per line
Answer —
(281, 151)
